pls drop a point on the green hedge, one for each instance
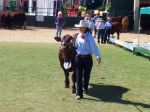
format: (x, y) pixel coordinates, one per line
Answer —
(12, 5)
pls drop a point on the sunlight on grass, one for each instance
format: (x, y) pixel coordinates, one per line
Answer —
(31, 80)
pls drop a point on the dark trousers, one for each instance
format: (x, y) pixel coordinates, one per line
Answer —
(107, 35)
(95, 31)
(101, 33)
(83, 70)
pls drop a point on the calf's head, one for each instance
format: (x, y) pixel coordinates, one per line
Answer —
(68, 47)
(67, 43)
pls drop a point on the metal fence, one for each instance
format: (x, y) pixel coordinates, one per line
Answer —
(66, 13)
(115, 13)
(32, 10)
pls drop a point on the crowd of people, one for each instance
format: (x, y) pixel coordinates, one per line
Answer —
(99, 27)
(85, 46)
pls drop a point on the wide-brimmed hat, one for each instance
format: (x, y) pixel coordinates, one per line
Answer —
(82, 24)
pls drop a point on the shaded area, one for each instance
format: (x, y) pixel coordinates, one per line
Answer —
(112, 94)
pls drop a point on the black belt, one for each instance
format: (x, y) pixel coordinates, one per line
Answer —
(84, 56)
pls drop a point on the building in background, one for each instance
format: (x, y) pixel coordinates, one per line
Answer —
(1, 5)
(51, 7)
(31, 7)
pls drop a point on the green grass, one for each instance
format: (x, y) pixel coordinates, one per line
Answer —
(31, 80)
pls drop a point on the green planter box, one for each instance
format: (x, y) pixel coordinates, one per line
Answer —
(142, 51)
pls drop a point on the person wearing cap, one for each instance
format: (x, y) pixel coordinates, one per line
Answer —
(59, 25)
(108, 27)
(85, 47)
(100, 26)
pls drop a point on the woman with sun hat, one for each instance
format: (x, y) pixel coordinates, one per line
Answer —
(85, 47)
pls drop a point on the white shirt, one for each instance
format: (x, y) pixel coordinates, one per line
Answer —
(86, 45)
(100, 25)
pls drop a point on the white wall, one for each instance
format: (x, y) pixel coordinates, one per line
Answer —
(45, 7)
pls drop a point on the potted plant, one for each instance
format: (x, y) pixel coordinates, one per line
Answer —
(82, 10)
(63, 8)
(108, 7)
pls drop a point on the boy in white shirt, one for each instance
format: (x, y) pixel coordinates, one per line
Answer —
(100, 26)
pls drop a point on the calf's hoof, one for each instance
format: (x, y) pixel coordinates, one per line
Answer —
(66, 86)
(73, 91)
(58, 39)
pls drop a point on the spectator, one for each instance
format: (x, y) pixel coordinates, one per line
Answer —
(91, 25)
(108, 27)
(100, 26)
(95, 19)
(59, 26)
(87, 16)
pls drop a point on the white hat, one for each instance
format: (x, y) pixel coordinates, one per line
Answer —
(82, 24)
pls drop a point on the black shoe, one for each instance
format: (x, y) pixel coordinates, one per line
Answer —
(58, 39)
(98, 41)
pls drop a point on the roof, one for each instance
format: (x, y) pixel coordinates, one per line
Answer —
(145, 10)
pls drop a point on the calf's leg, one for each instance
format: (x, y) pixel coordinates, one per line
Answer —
(118, 34)
(73, 82)
(66, 79)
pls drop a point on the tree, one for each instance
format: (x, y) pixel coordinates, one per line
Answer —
(108, 5)
(12, 5)
(63, 8)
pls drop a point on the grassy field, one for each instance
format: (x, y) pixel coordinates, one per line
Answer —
(31, 80)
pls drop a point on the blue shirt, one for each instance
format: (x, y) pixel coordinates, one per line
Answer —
(108, 24)
(86, 45)
(91, 25)
(96, 17)
(59, 21)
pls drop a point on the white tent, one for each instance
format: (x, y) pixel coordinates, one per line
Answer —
(45, 7)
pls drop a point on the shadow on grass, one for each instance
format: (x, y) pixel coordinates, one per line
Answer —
(112, 94)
